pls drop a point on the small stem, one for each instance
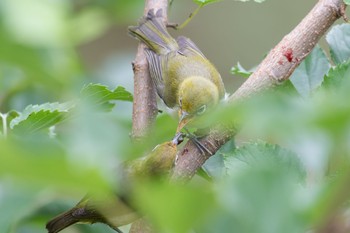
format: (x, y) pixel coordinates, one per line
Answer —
(190, 17)
(4, 123)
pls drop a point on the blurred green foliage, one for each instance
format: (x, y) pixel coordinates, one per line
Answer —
(287, 170)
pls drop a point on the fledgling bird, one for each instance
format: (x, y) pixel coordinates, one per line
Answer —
(182, 75)
(115, 210)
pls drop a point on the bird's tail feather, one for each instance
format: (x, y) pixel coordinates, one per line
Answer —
(152, 31)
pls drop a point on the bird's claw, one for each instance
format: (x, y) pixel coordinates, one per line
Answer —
(203, 149)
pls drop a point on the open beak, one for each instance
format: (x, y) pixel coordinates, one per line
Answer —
(184, 119)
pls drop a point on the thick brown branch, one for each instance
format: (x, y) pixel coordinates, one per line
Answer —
(274, 69)
(145, 105)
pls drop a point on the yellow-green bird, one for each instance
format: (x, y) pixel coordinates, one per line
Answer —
(182, 75)
(115, 210)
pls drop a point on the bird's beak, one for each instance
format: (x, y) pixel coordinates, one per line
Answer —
(184, 119)
(179, 137)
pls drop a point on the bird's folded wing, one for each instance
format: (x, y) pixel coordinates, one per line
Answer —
(155, 69)
(187, 47)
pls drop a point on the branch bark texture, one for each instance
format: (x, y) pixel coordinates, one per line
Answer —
(277, 67)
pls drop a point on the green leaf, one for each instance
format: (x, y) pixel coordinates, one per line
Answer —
(239, 70)
(88, 24)
(339, 42)
(41, 162)
(337, 75)
(175, 208)
(100, 96)
(309, 75)
(40, 117)
(260, 154)
(261, 193)
(258, 1)
(205, 2)
(215, 166)
(347, 2)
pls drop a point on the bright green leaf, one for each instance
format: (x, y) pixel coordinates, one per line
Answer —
(39, 117)
(339, 42)
(100, 96)
(309, 75)
(258, 1)
(239, 70)
(205, 2)
(347, 2)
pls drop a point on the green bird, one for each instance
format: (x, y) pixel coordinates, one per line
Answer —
(116, 210)
(182, 75)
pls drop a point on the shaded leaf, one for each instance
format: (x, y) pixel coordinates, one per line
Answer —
(336, 75)
(262, 154)
(215, 165)
(309, 75)
(41, 163)
(339, 42)
(175, 208)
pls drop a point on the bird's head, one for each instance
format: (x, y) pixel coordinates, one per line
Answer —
(195, 97)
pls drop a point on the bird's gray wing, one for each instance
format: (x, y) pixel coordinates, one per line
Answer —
(155, 62)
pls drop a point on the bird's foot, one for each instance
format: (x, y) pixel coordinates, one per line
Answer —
(203, 149)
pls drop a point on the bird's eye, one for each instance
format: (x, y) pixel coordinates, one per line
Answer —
(201, 110)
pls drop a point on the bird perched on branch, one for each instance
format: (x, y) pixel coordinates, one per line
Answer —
(182, 75)
(115, 210)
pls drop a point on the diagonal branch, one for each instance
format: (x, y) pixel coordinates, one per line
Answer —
(273, 70)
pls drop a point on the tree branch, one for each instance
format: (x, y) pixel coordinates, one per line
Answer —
(145, 106)
(273, 70)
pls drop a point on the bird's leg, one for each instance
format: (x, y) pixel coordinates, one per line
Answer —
(198, 144)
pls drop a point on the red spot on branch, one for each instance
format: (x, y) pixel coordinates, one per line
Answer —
(288, 54)
(185, 151)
